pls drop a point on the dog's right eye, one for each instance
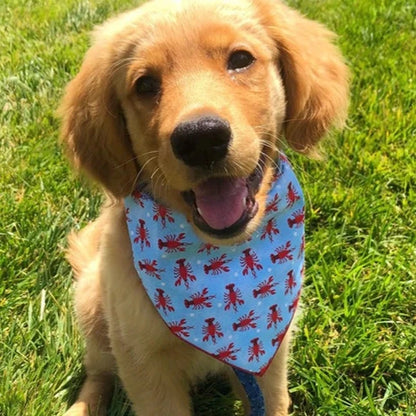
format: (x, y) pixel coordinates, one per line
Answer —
(148, 85)
(240, 60)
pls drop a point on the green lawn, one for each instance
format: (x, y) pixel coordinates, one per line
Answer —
(355, 352)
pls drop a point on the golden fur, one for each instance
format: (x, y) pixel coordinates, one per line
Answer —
(296, 89)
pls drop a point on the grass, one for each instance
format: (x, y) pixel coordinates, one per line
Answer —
(354, 353)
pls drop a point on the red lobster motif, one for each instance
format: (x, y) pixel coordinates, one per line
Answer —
(277, 174)
(270, 230)
(246, 322)
(282, 254)
(163, 301)
(302, 247)
(290, 282)
(295, 302)
(150, 268)
(173, 243)
(138, 197)
(232, 297)
(207, 247)
(142, 235)
(280, 337)
(283, 158)
(250, 261)
(265, 288)
(162, 213)
(227, 353)
(183, 273)
(292, 196)
(217, 265)
(272, 206)
(211, 330)
(199, 300)
(127, 214)
(180, 328)
(274, 317)
(255, 350)
(297, 218)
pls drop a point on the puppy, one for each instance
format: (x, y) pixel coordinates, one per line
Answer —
(188, 102)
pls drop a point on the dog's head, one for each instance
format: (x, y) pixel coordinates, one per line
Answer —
(195, 97)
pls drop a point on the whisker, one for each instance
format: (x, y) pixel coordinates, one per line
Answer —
(126, 162)
(160, 183)
(266, 133)
(142, 168)
(148, 153)
(154, 173)
(135, 158)
(145, 164)
(272, 161)
(269, 145)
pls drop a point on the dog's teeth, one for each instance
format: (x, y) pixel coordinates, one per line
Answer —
(249, 203)
(199, 211)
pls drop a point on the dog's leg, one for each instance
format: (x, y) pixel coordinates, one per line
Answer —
(154, 384)
(97, 389)
(99, 362)
(274, 383)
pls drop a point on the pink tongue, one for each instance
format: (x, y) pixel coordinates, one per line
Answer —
(221, 201)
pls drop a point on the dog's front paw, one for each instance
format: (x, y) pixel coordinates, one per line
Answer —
(82, 409)
(77, 409)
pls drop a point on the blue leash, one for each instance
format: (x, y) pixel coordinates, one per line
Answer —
(254, 394)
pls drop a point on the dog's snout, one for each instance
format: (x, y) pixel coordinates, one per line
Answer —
(201, 141)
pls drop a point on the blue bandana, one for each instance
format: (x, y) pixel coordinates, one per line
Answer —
(233, 302)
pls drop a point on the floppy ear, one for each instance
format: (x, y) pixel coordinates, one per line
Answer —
(313, 72)
(93, 127)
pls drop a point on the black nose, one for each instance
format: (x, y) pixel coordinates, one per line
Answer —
(201, 141)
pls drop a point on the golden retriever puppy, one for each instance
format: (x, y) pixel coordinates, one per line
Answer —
(188, 102)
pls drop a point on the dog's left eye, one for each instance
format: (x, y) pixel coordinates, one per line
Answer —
(148, 86)
(240, 60)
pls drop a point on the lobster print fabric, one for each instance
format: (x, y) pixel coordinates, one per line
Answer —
(232, 302)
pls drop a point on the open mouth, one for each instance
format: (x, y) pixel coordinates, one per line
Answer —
(223, 206)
